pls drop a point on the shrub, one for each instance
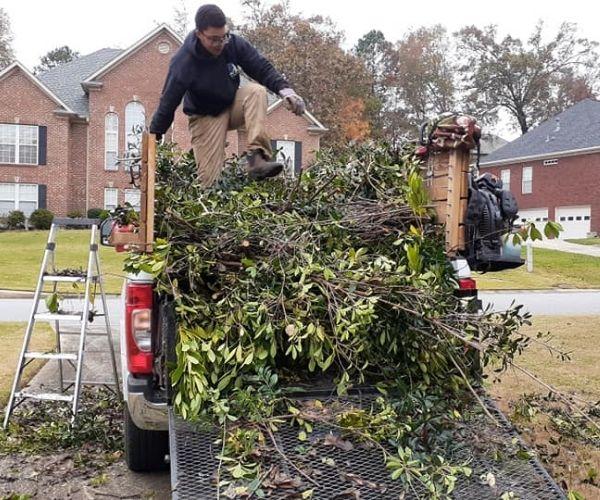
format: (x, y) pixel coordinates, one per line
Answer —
(104, 214)
(75, 214)
(41, 218)
(95, 213)
(15, 220)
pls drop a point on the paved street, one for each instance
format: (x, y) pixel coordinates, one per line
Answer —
(20, 309)
(551, 302)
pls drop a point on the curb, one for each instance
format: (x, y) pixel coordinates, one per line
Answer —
(27, 294)
(539, 290)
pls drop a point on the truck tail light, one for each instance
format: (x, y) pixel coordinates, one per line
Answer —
(467, 284)
(467, 288)
(138, 328)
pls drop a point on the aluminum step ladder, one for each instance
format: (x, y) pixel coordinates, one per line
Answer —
(69, 390)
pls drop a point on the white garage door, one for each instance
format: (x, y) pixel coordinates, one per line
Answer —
(576, 221)
(536, 215)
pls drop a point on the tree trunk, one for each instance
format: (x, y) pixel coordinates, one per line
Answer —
(522, 119)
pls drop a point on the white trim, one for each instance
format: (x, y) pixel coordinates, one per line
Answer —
(505, 172)
(114, 191)
(106, 150)
(555, 154)
(37, 82)
(18, 145)
(112, 63)
(17, 198)
(307, 114)
(529, 169)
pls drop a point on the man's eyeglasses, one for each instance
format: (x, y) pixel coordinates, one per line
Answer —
(218, 40)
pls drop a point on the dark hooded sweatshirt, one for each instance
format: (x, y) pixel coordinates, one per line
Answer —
(208, 84)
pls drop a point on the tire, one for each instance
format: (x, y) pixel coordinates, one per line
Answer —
(145, 451)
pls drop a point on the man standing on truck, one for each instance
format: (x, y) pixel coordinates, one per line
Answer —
(205, 73)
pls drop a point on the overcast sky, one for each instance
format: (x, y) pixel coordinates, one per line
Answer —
(86, 26)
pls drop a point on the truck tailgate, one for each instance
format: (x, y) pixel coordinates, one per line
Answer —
(360, 472)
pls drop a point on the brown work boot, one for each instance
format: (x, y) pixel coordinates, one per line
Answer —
(259, 168)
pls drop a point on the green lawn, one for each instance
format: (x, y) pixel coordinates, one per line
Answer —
(551, 269)
(586, 241)
(11, 336)
(21, 255)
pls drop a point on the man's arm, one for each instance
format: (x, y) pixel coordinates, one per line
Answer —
(170, 98)
(258, 67)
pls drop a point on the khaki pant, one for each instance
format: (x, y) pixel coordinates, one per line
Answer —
(249, 109)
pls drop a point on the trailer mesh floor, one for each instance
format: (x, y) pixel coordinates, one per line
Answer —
(360, 473)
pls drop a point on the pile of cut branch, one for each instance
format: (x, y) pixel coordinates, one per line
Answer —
(336, 279)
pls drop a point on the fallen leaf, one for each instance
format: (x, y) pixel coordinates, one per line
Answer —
(338, 442)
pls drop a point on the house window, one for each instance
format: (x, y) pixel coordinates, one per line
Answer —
(111, 141)
(527, 180)
(111, 198)
(132, 196)
(22, 197)
(135, 120)
(19, 144)
(505, 176)
(286, 154)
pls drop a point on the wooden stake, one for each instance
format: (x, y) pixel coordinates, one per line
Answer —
(150, 186)
(143, 239)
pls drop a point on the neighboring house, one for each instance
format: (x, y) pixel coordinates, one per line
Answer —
(61, 132)
(554, 170)
(487, 145)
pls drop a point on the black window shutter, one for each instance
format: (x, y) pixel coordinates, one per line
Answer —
(298, 157)
(274, 148)
(41, 195)
(42, 144)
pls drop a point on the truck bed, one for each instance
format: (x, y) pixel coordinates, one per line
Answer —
(360, 473)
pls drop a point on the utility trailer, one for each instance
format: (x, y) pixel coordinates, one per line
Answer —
(156, 438)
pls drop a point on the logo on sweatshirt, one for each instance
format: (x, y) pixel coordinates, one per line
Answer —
(233, 70)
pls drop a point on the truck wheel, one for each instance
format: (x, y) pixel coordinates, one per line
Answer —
(144, 450)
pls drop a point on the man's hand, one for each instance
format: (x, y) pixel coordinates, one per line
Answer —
(293, 101)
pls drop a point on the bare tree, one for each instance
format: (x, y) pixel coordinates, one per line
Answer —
(334, 82)
(180, 19)
(6, 51)
(420, 79)
(531, 80)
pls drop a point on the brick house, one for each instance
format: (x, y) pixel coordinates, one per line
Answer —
(554, 170)
(62, 131)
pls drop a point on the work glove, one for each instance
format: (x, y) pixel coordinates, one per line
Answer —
(293, 101)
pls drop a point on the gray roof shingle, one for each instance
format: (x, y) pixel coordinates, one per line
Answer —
(65, 80)
(577, 127)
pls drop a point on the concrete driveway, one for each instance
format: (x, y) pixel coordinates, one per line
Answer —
(565, 246)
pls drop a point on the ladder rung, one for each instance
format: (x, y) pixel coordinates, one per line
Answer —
(88, 333)
(65, 279)
(51, 355)
(90, 382)
(45, 396)
(57, 317)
